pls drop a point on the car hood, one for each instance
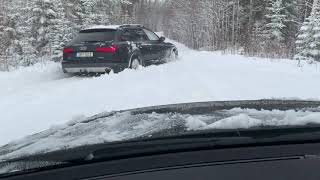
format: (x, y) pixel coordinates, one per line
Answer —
(164, 121)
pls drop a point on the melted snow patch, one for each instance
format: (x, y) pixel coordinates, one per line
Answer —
(249, 118)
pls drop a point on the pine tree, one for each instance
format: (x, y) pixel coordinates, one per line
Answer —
(24, 31)
(2, 26)
(315, 34)
(126, 11)
(277, 18)
(42, 22)
(308, 41)
(60, 32)
(50, 28)
(10, 43)
(292, 23)
(89, 12)
(255, 27)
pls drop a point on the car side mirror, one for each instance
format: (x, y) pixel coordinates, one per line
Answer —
(162, 39)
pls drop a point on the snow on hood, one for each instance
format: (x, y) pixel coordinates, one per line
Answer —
(248, 118)
(119, 126)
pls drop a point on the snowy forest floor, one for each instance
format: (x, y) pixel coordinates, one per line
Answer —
(35, 98)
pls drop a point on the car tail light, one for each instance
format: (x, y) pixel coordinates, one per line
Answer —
(67, 50)
(112, 48)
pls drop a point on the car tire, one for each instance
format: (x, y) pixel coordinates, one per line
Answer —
(135, 63)
(173, 55)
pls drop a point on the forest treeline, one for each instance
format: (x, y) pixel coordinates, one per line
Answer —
(36, 30)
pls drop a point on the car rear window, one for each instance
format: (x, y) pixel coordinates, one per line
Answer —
(95, 35)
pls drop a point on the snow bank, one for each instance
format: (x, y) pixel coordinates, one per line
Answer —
(29, 76)
(35, 98)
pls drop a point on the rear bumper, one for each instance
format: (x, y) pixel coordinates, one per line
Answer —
(75, 67)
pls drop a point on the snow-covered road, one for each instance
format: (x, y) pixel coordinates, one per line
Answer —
(38, 97)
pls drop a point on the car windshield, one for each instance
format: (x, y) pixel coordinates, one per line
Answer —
(95, 35)
(77, 73)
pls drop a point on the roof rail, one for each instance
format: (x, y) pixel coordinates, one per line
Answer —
(131, 25)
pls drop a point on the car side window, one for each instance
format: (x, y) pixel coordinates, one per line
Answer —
(151, 35)
(133, 35)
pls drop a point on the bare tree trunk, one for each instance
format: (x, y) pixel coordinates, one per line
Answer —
(249, 30)
(233, 24)
(315, 7)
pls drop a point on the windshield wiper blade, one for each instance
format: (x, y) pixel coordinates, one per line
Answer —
(96, 153)
(144, 148)
(213, 140)
(131, 146)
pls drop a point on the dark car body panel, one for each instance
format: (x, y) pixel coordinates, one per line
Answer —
(147, 51)
(276, 162)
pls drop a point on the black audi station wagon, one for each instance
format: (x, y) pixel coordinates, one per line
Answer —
(101, 49)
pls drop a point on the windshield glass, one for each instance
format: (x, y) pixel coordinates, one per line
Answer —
(121, 126)
(86, 72)
(94, 36)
